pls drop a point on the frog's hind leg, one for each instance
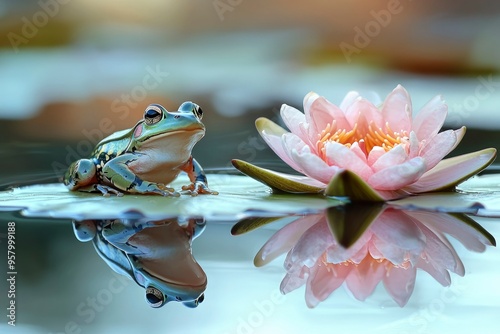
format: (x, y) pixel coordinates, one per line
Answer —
(118, 173)
(80, 174)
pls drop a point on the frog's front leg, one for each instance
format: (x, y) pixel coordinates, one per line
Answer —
(117, 172)
(199, 183)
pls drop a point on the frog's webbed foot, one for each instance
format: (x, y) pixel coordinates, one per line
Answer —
(145, 187)
(106, 190)
(155, 188)
(196, 188)
(167, 189)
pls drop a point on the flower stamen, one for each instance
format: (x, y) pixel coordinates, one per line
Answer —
(341, 136)
(387, 139)
(373, 137)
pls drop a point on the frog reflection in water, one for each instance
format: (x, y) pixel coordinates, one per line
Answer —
(147, 157)
(155, 254)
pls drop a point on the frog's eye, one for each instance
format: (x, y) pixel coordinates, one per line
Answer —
(155, 297)
(198, 112)
(152, 116)
(190, 107)
(196, 302)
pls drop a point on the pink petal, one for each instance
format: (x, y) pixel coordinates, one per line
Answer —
(438, 147)
(309, 100)
(272, 133)
(358, 151)
(292, 281)
(414, 147)
(448, 171)
(397, 110)
(399, 283)
(441, 275)
(322, 112)
(441, 253)
(393, 157)
(308, 135)
(349, 100)
(356, 253)
(364, 277)
(430, 118)
(363, 250)
(396, 236)
(396, 177)
(341, 156)
(375, 154)
(312, 165)
(293, 120)
(311, 245)
(460, 135)
(276, 144)
(284, 239)
(324, 282)
(362, 112)
(471, 238)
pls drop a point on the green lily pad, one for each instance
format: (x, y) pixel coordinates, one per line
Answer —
(279, 182)
(239, 196)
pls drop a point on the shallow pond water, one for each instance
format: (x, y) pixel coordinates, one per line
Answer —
(84, 263)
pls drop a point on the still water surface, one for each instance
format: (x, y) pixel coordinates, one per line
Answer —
(92, 276)
(84, 263)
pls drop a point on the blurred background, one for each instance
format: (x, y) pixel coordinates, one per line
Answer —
(73, 72)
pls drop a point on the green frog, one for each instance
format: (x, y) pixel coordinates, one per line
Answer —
(147, 157)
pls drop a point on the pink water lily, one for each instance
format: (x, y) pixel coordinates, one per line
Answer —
(390, 251)
(392, 152)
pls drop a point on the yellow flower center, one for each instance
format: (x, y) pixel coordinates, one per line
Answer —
(340, 136)
(368, 139)
(386, 139)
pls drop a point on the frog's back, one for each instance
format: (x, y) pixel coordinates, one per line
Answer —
(114, 144)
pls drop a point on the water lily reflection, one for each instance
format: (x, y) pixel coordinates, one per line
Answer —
(155, 254)
(361, 246)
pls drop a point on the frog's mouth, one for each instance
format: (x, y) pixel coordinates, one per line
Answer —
(188, 132)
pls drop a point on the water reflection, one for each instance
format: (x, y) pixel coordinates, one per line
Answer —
(155, 254)
(359, 246)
